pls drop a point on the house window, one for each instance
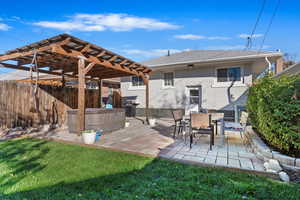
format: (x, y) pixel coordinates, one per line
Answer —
(229, 74)
(137, 81)
(194, 96)
(169, 79)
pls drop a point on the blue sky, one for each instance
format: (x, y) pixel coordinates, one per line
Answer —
(144, 29)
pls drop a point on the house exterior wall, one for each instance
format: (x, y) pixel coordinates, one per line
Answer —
(214, 95)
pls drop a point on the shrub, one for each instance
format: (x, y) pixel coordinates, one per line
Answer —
(274, 111)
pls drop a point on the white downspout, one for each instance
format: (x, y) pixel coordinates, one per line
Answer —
(269, 63)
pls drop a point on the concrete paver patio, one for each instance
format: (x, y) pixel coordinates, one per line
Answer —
(229, 149)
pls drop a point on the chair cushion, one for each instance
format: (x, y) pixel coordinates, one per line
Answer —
(200, 120)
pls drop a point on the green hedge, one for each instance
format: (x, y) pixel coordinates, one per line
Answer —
(274, 111)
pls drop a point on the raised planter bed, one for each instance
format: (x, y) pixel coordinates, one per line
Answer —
(108, 120)
(264, 152)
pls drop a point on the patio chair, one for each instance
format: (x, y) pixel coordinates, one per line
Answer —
(178, 120)
(238, 126)
(201, 124)
(218, 120)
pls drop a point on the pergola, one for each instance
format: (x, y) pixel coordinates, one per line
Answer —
(67, 56)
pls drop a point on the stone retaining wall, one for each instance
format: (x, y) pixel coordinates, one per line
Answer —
(265, 153)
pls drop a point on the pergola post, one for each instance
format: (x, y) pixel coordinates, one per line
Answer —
(63, 52)
(81, 96)
(82, 71)
(146, 81)
(100, 93)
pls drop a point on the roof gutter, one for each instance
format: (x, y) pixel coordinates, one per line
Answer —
(219, 59)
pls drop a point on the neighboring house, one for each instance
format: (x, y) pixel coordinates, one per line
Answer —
(291, 70)
(198, 79)
(108, 85)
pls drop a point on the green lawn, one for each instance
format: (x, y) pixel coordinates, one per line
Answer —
(37, 169)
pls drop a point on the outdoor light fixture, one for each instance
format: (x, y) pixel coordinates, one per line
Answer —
(190, 66)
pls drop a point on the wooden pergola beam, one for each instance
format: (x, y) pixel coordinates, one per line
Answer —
(31, 52)
(112, 58)
(28, 69)
(111, 76)
(75, 54)
(40, 71)
(86, 48)
(65, 68)
(102, 71)
(123, 62)
(88, 68)
(102, 53)
(51, 60)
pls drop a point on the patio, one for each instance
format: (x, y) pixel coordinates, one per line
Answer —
(229, 149)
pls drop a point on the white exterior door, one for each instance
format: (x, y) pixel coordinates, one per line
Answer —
(193, 99)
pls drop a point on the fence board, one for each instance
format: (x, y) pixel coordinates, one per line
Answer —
(16, 103)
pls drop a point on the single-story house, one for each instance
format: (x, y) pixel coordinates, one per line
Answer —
(291, 70)
(193, 80)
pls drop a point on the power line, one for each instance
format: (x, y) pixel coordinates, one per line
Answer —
(258, 18)
(249, 39)
(269, 26)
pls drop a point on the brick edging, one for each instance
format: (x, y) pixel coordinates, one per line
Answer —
(264, 152)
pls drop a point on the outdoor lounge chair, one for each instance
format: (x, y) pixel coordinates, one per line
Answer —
(201, 124)
(178, 120)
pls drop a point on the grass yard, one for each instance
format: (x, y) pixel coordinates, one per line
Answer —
(38, 169)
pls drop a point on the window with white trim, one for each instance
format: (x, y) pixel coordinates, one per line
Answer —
(169, 79)
(137, 81)
(229, 74)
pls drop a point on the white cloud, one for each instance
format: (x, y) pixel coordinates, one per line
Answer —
(101, 22)
(4, 27)
(200, 37)
(244, 36)
(218, 38)
(69, 26)
(151, 52)
(15, 18)
(189, 37)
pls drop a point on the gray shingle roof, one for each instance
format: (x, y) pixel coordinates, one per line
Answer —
(202, 56)
(19, 75)
(291, 70)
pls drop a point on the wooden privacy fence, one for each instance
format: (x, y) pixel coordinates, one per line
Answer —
(16, 103)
